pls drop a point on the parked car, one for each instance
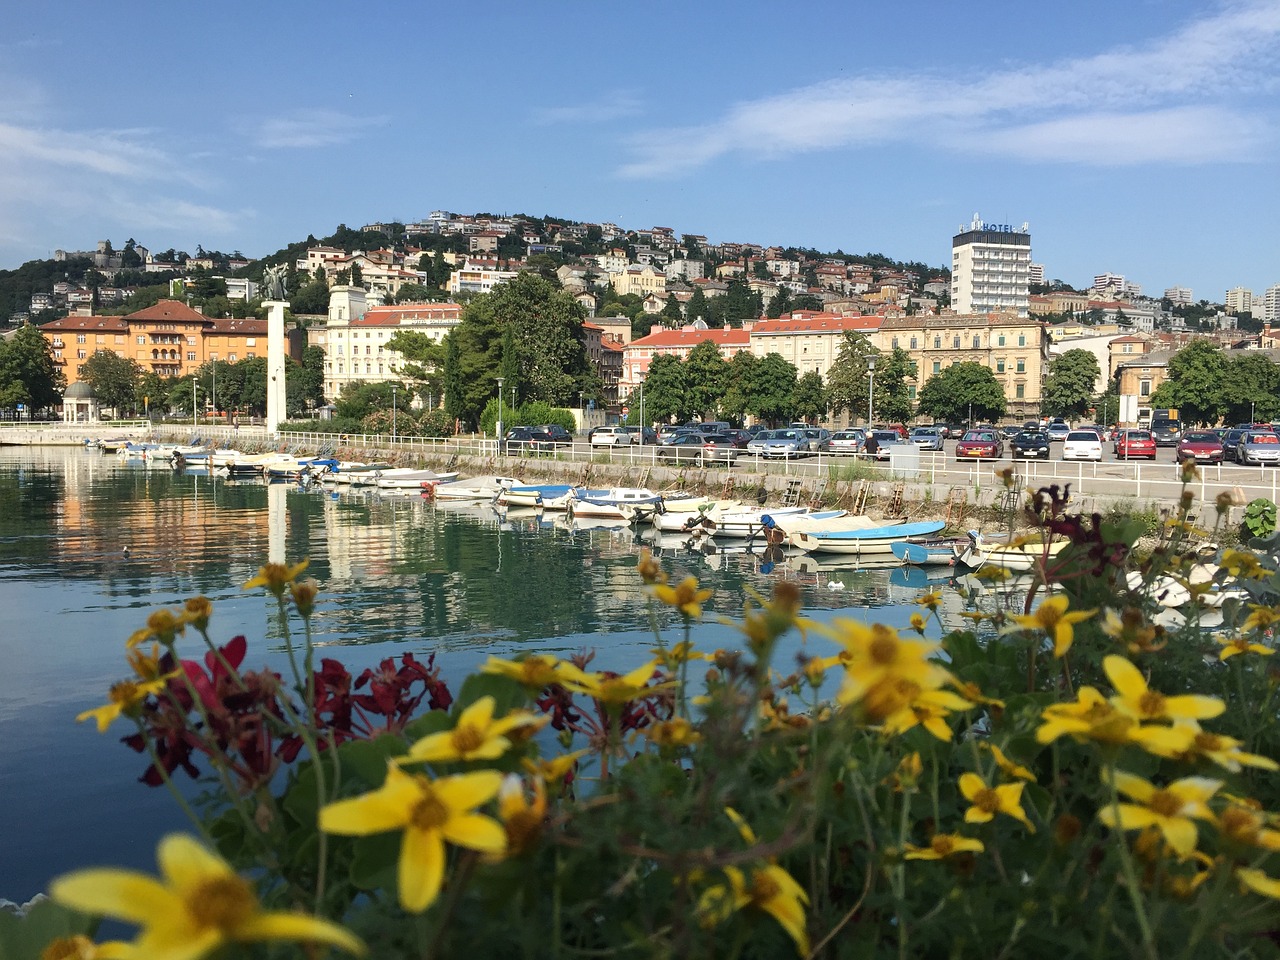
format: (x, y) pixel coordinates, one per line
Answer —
(756, 445)
(667, 431)
(1099, 429)
(700, 448)
(980, 444)
(1030, 444)
(519, 441)
(898, 428)
(886, 440)
(1082, 445)
(1258, 446)
(1231, 441)
(847, 441)
(1166, 432)
(740, 438)
(785, 445)
(1202, 446)
(1134, 443)
(555, 433)
(816, 438)
(1010, 430)
(926, 438)
(646, 435)
(610, 437)
(1058, 430)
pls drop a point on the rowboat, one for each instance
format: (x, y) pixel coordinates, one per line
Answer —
(735, 521)
(548, 496)
(1019, 552)
(616, 503)
(871, 540)
(406, 478)
(929, 551)
(475, 488)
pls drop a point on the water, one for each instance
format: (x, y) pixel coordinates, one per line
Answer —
(90, 545)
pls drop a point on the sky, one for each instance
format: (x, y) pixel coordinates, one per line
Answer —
(1139, 138)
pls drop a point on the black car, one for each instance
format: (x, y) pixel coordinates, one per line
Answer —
(555, 433)
(1231, 440)
(524, 440)
(1030, 444)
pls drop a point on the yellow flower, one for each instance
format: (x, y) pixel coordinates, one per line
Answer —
(429, 812)
(988, 801)
(124, 698)
(907, 774)
(1248, 828)
(146, 665)
(304, 596)
(555, 769)
(682, 652)
(1007, 766)
(650, 569)
(535, 671)
(943, 845)
(78, 947)
(875, 655)
(475, 735)
(522, 816)
(1261, 618)
(612, 690)
(197, 611)
(1258, 882)
(198, 905)
(685, 596)
(1130, 627)
(1239, 563)
(931, 601)
(1233, 645)
(771, 889)
(673, 733)
(1092, 717)
(1052, 617)
(275, 576)
(1224, 751)
(1172, 809)
(1139, 701)
(918, 623)
(163, 625)
(929, 709)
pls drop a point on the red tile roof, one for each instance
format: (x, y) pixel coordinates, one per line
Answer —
(168, 310)
(681, 338)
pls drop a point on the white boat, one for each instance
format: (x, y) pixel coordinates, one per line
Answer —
(405, 478)
(735, 521)
(548, 496)
(1022, 551)
(682, 516)
(615, 503)
(475, 488)
(866, 541)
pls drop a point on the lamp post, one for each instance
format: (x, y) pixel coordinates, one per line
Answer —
(497, 431)
(871, 389)
(642, 414)
(393, 414)
(194, 411)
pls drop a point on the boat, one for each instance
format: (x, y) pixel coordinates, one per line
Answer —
(735, 521)
(870, 540)
(615, 503)
(405, 478)
(355, 473)
(1019, 552)
(548, 496)
(928, 551)
(475, 488)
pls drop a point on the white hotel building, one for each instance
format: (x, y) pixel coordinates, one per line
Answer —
(991, 268)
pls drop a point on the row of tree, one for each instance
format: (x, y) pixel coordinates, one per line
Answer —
(1207, 387)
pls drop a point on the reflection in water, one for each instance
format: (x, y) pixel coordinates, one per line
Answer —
(89, 545)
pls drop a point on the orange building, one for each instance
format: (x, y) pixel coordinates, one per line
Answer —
(169, 339)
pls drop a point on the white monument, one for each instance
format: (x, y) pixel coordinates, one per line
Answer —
(273, 291)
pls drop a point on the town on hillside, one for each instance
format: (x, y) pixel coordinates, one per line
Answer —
(361, 299)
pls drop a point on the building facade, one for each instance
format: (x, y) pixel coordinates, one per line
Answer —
(991, 268)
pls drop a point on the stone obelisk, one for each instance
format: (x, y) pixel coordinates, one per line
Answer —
(274, 300)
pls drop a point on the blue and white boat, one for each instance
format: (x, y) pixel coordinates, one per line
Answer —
(928, 551)
(615, 503)
(870, 540)
(548, 496)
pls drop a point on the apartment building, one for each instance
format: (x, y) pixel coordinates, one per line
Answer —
(810, 341)
(676, 343)
(991, 268)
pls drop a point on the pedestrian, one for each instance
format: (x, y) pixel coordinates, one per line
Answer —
(872, 446)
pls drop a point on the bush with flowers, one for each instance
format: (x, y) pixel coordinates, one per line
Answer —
(1077, 779)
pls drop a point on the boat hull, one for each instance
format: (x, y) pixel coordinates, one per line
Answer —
(871, 541)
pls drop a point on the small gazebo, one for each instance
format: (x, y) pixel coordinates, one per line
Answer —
(79, 405)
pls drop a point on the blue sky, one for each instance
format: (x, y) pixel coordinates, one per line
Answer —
(1138, 138)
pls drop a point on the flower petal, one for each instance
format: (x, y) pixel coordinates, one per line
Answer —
(421, 869)
(477, 832)
(122, 894)
(1125, 677)
(186, 864)
(468, 790)
(970, 784)
(1193, 706)
(299, 927)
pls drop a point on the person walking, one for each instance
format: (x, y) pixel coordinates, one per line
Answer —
(872, 445)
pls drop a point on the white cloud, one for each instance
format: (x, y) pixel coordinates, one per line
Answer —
(1137, 96)
(315, 128)
(616, 105)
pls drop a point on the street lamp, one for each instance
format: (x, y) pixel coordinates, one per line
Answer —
(497, 432)
(871, 389)
(393, 414)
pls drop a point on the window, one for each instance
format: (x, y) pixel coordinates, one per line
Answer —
(911, 393)
(80, 354)
(79, 338)
(119, 338)
(142, 340)
(1000, 341)
(977, 342)
(1021, 391)
(955, 343)
(191, 354)
(1022, 339)
(1022, 366)
(999, 366)
(937, 343)
(914, 344)
(191, 341)
(251, 342)
(937, 366)
(250, 355)
(231, 358)
(1144, 386)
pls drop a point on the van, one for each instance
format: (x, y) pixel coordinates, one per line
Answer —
(1165, 431)
(712, 426)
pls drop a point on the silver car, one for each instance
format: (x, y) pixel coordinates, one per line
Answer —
(1258, 446)
(926, 438)
(847, 441)
(786, 445)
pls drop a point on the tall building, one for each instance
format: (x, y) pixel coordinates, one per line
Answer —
(1239, 300)
(1179, 295)
(1271, 304)
(1036, 273)
(991, 268)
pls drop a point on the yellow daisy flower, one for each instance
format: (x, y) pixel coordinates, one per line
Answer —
(1007, 766)
(123, 699)
(475, 736)
(1172, 809)
(943, 845)
(1222, 750)
(276, 576)
(1139, 701)
(1052, 617)
(613, 690)
(1234, 645)
(685, 597)
(198, 905)
(163, 625)
(769, 889)
(535, 672)
(988, 801)
(929, 709)
(1093, 717)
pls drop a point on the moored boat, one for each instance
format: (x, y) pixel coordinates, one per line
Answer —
(548, 496)
(869, 540)
(928, 551)
(405, 478)
(616, 503)
(474, 488)
(1019, 552)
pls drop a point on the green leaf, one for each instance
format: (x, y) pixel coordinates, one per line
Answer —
(374, 865)
(25, 937)
(507, 694)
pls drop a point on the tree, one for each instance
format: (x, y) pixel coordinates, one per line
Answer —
(697, 308)
(773, 389)
(705, 372)
(666, 396)
(671, 314)
(28, 374)
(739, 379)
(310, 376)
(454, 379)
(423, 361)
(779, 304)
(847, 380)
(741, 302)
(1069, 388)
(114, 379)
(1251, 389)
(1197, 377)
(312, 298)
(892, 391)
(809, 400)
(965, 392)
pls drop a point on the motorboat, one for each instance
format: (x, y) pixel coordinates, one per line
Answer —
(869, 540)
(928, 551)
(475, 488)
(735, 521)
(354, 473)
(1012, 552)
(548, 496)
(615, 503)
(406, 478)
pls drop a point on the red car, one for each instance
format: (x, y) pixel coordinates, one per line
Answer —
(1135, 443)
(1202, 446)
(980, 445)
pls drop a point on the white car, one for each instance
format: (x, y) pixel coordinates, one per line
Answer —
(610, 437)
(1082, 445)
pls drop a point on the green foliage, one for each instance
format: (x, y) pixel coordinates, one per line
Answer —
(895, 371)
(962, 390)
(114, 379)
(1068, 390)
(809, 399)
(1195, 388)
(1260, 518)
(773, 388)
(311, 298)
(848, 380)
(28, 374)
(24, 933)
(705, 373)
